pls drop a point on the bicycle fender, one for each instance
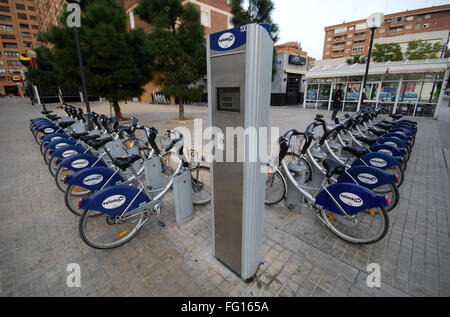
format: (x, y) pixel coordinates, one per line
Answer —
(60, 143)
(67, 151)
(398, 135)
(393, 141)
(79, 162)
(114, 200)
(379, 160)
(401, 130)
(47, 129)
(407, 122)
(388, 149)
(55, 136)
(368, 177)
(351, 197)
(94, 178)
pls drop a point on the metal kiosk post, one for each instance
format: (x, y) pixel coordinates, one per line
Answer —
(239, 84)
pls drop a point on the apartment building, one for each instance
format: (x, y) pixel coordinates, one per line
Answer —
(353, 38)
(48, 12)
(18, 33)
(215, 16)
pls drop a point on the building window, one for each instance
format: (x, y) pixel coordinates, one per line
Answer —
(26, 34)
(410, 18)
(358, 49)
(9, 45)
(12, 54)
(28, 44)
(329, 39)
(4, 9)
(361, 26)
(426, 25)
(132, 22)
(22, 16)
(6, 27)
(20, 6)
(351, 28)
(427, 16)
(327, 53)
(350, 36)
(5, 18)
(205, 18)
(8, 36)
(409, 27)
(340, 30)
(382, 30)
(24, 26)
(13, 63)
(396, 29)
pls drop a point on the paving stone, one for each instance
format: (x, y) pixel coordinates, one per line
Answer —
(301, 256)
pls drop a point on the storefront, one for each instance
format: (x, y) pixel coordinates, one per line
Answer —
(413, 87)
(288, 84)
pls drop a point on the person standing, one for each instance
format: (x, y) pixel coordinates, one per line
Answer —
(338, 97)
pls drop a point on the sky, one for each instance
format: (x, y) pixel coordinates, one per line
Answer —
(304, 20)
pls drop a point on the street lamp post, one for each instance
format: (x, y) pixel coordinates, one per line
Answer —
(83, 79)
(373, 22)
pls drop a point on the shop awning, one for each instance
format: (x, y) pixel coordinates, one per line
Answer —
(404, 67)
(294, 71)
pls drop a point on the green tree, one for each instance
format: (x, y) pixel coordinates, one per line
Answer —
(357, 59)
(178, 42)
(118, 62)
(447, 53)
(422, 50)
(43, 75)
(258, 11)
(387, 52)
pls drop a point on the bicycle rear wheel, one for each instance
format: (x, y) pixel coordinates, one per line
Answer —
(366, 227)
(105, 232)
(201, 185)
(392, 194)
(275, 188)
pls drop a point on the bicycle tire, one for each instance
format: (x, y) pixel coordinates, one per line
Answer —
(85, 217)
(393, 202)
(200, 201)
(380, 235)
(271, 180)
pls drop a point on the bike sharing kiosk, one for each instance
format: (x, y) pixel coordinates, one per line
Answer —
(239, 85)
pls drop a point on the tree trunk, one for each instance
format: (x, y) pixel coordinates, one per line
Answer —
(117, 110)
(181, 110)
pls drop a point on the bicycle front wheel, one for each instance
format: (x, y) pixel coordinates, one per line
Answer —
(104, 232)
(366, 227)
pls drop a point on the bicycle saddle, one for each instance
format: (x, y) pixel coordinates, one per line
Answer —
(378, 132)
(122, 129)
(125, 162)
(397, 116)
(87, 138)
(53, 117)
(96, 144)
(384, 126)
(333, 167)
(66, 124)
(368, 140)
(46, 112)
(357, 151)
(77, 136)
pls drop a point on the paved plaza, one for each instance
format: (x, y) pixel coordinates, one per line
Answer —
(39, 236)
